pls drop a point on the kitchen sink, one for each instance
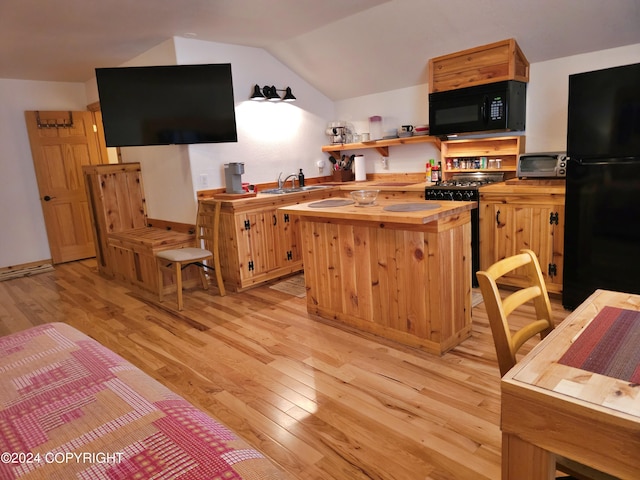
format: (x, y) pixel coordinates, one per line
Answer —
(281, 191)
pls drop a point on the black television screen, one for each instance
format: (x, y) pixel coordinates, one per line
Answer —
(164, 105)
(604, 113)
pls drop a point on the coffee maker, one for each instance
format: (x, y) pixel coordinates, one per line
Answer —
(233, 177)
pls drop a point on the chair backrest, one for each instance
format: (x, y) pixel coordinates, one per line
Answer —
(507, 343)
(208, 225)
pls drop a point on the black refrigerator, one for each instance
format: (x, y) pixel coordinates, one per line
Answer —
(602, 224)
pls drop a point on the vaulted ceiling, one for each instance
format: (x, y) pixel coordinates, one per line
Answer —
(345, 48)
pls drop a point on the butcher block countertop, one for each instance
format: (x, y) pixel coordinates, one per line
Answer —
(377, 213)
(526, 187)
(388, 186)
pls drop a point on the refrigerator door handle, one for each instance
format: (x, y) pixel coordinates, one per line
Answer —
(604, 161)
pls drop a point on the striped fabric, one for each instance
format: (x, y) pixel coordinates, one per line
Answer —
(72, 409)
(610, 345)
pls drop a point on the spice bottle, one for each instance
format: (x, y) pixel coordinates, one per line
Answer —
(435, 173)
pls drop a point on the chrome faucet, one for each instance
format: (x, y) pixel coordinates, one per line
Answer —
(281, 182)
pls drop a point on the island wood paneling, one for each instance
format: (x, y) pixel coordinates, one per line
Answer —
(407, 283)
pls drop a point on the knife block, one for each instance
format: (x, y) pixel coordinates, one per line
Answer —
(343, 175)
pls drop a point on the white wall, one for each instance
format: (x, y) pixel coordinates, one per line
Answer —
(548, 89)
(23, 238)
(272, 137)
(407, 106)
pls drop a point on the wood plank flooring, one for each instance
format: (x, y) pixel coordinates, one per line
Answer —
(322, 402)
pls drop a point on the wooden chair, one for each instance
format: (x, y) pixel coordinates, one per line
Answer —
(205, 254)
(507, 343)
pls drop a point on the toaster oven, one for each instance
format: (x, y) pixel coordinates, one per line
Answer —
(542, 165)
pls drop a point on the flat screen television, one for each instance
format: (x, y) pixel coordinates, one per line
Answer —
(604, 113)
(166, 105)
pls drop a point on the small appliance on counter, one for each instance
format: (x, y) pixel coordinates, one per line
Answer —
(233, 177)
(542, 165)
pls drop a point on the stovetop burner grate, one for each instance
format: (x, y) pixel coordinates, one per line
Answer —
(469, 181)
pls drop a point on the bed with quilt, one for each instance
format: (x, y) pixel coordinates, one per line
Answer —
(73, 409)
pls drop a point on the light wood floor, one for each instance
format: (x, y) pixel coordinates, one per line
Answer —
(322, 402)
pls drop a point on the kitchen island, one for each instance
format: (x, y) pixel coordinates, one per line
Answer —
(404, 274)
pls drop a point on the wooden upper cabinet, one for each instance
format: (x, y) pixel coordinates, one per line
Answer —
(490, 63)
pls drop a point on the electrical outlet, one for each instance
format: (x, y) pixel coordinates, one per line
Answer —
(385, 162)
(204, 180)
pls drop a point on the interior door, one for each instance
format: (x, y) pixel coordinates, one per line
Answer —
(61, 143)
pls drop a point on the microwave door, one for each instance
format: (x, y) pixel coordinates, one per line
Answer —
(464, 113)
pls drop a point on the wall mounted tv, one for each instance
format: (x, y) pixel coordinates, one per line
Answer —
(166, 105)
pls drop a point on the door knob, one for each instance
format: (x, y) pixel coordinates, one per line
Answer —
(47, 198)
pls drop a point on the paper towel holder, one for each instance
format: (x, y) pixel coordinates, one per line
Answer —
(360, 168)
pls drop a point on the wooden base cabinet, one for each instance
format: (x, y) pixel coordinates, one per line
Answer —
(258, 243)
(514, 217)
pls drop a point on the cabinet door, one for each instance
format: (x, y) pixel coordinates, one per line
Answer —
(288, 242)
(523, 226)
(257, 245)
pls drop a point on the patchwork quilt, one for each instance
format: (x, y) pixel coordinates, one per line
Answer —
(71, 408)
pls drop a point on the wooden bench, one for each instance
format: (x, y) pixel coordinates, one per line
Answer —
(125, 242)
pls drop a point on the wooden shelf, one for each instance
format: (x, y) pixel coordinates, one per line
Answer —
(506, 148)
(467, 170)
(382, 146)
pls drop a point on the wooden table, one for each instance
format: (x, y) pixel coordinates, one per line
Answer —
(405, 276)
(551, 408)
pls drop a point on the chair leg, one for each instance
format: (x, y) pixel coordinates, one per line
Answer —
(216, 266)
(203, 278)
(160, 282)
(178, 272)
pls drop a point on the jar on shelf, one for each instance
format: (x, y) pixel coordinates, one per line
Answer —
(375, 127)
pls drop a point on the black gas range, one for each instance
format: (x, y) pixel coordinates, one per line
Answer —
(465, 187)
(462, 186)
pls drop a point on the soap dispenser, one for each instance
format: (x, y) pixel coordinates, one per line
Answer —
(301, 179)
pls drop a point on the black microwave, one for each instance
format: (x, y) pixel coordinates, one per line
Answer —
(494, 107)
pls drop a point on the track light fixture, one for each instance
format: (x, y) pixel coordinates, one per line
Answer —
(270, 93)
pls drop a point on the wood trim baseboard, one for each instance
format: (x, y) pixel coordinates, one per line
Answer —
(25, 269)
